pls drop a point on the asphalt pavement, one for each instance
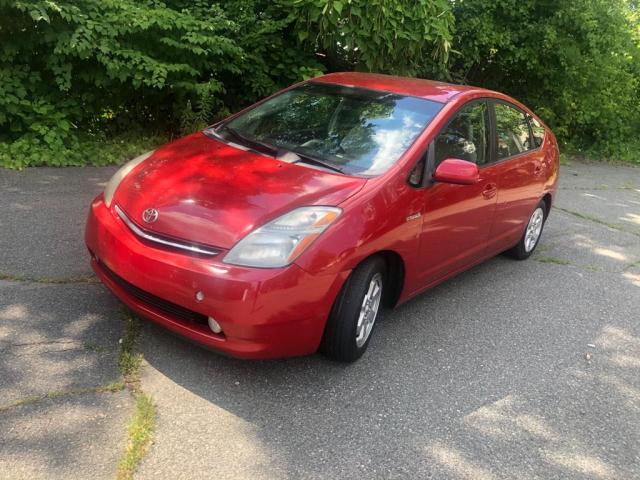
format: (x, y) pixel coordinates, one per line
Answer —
(59, 334)
(513, 369)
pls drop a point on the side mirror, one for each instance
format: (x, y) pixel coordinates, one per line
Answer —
(459, 172)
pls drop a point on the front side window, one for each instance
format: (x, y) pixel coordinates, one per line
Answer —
(466, 137)
(512, 129)
(355, 130)
(417, 173)
(538, 131)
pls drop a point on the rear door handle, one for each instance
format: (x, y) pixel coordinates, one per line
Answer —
(538, 169)
(490, 190)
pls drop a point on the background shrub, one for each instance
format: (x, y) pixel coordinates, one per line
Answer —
(97, 81)
(576, 63)
(75, 72)
(387, 36)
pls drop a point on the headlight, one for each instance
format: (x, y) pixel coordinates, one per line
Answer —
(112, 185)
(281, 241)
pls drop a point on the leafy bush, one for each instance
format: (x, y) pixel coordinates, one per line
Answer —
(387, 36)
(92, 81)
(576, 63)
(97, 150)
(72, 71)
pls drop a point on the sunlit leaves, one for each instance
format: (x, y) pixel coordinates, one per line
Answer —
(173, 66)
(388, 36)
(576, 63)
(155, 66)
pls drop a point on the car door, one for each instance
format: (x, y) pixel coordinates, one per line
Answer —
(519, 161)
(457, 218)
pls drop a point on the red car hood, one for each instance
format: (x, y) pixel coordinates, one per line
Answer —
(212, 193)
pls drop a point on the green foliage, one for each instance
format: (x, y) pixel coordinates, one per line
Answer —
(98, 150)
(75, 71)
(577, 64)
(97, 81)
(140, 436)
(388, 36)
(64, 60)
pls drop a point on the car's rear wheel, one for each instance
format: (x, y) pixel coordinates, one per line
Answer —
(354, 313)
(529, 241)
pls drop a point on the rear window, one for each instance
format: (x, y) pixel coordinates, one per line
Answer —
(512, 128)
(538, 131)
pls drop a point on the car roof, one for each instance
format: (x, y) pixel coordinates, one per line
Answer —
(416, 87)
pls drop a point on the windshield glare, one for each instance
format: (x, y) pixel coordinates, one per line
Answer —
(360, 131)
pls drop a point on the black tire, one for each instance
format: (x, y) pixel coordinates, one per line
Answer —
(519, 252)
(339, 340)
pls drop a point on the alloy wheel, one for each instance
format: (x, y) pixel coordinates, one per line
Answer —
(369, 310)
(534, 228)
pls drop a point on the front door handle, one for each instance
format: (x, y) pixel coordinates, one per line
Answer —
(490, 190)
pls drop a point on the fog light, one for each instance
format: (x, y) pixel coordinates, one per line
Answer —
(214, 326)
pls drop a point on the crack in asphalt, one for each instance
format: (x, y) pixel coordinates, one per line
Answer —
(77, 346)
(596, 220)
(43, 342)
(601, 188)
(106, 388)
(40, 352)
(587, 268)
(49, 280)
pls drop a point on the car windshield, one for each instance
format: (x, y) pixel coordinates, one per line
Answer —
(353, 130)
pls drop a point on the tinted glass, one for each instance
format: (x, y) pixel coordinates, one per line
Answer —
(360, 131)
(513, 131)
(538, 131)
(466, 137)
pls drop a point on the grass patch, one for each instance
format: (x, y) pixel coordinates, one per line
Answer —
(632, 265)
(554, 260)
(87, 279)
(629, 186)
(591, 218)
(593, 268)
(94, 347)
(23, 401)
(597, 220)
(140, 431)
(109, 387)
(98, 150)
(542, 248)
(142, 425)
(129, 360)
(52, 280)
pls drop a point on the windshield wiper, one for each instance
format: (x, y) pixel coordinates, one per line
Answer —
(275, 151)
(315, 161)
(250, 142)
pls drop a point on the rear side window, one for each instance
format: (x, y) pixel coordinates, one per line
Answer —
(512, 130)
(466, 137)
(538, 131)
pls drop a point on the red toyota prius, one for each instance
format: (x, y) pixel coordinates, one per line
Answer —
(285, 228)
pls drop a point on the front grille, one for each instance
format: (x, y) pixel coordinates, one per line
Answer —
(157, 240)
(157, 303)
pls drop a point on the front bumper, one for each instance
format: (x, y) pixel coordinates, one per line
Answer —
(264, 313)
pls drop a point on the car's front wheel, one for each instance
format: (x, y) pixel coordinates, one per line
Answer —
(354, 312)
(532, 233)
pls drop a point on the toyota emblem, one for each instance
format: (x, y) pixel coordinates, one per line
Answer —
(150, 215)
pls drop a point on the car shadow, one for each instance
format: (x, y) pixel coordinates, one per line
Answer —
(484, 376)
